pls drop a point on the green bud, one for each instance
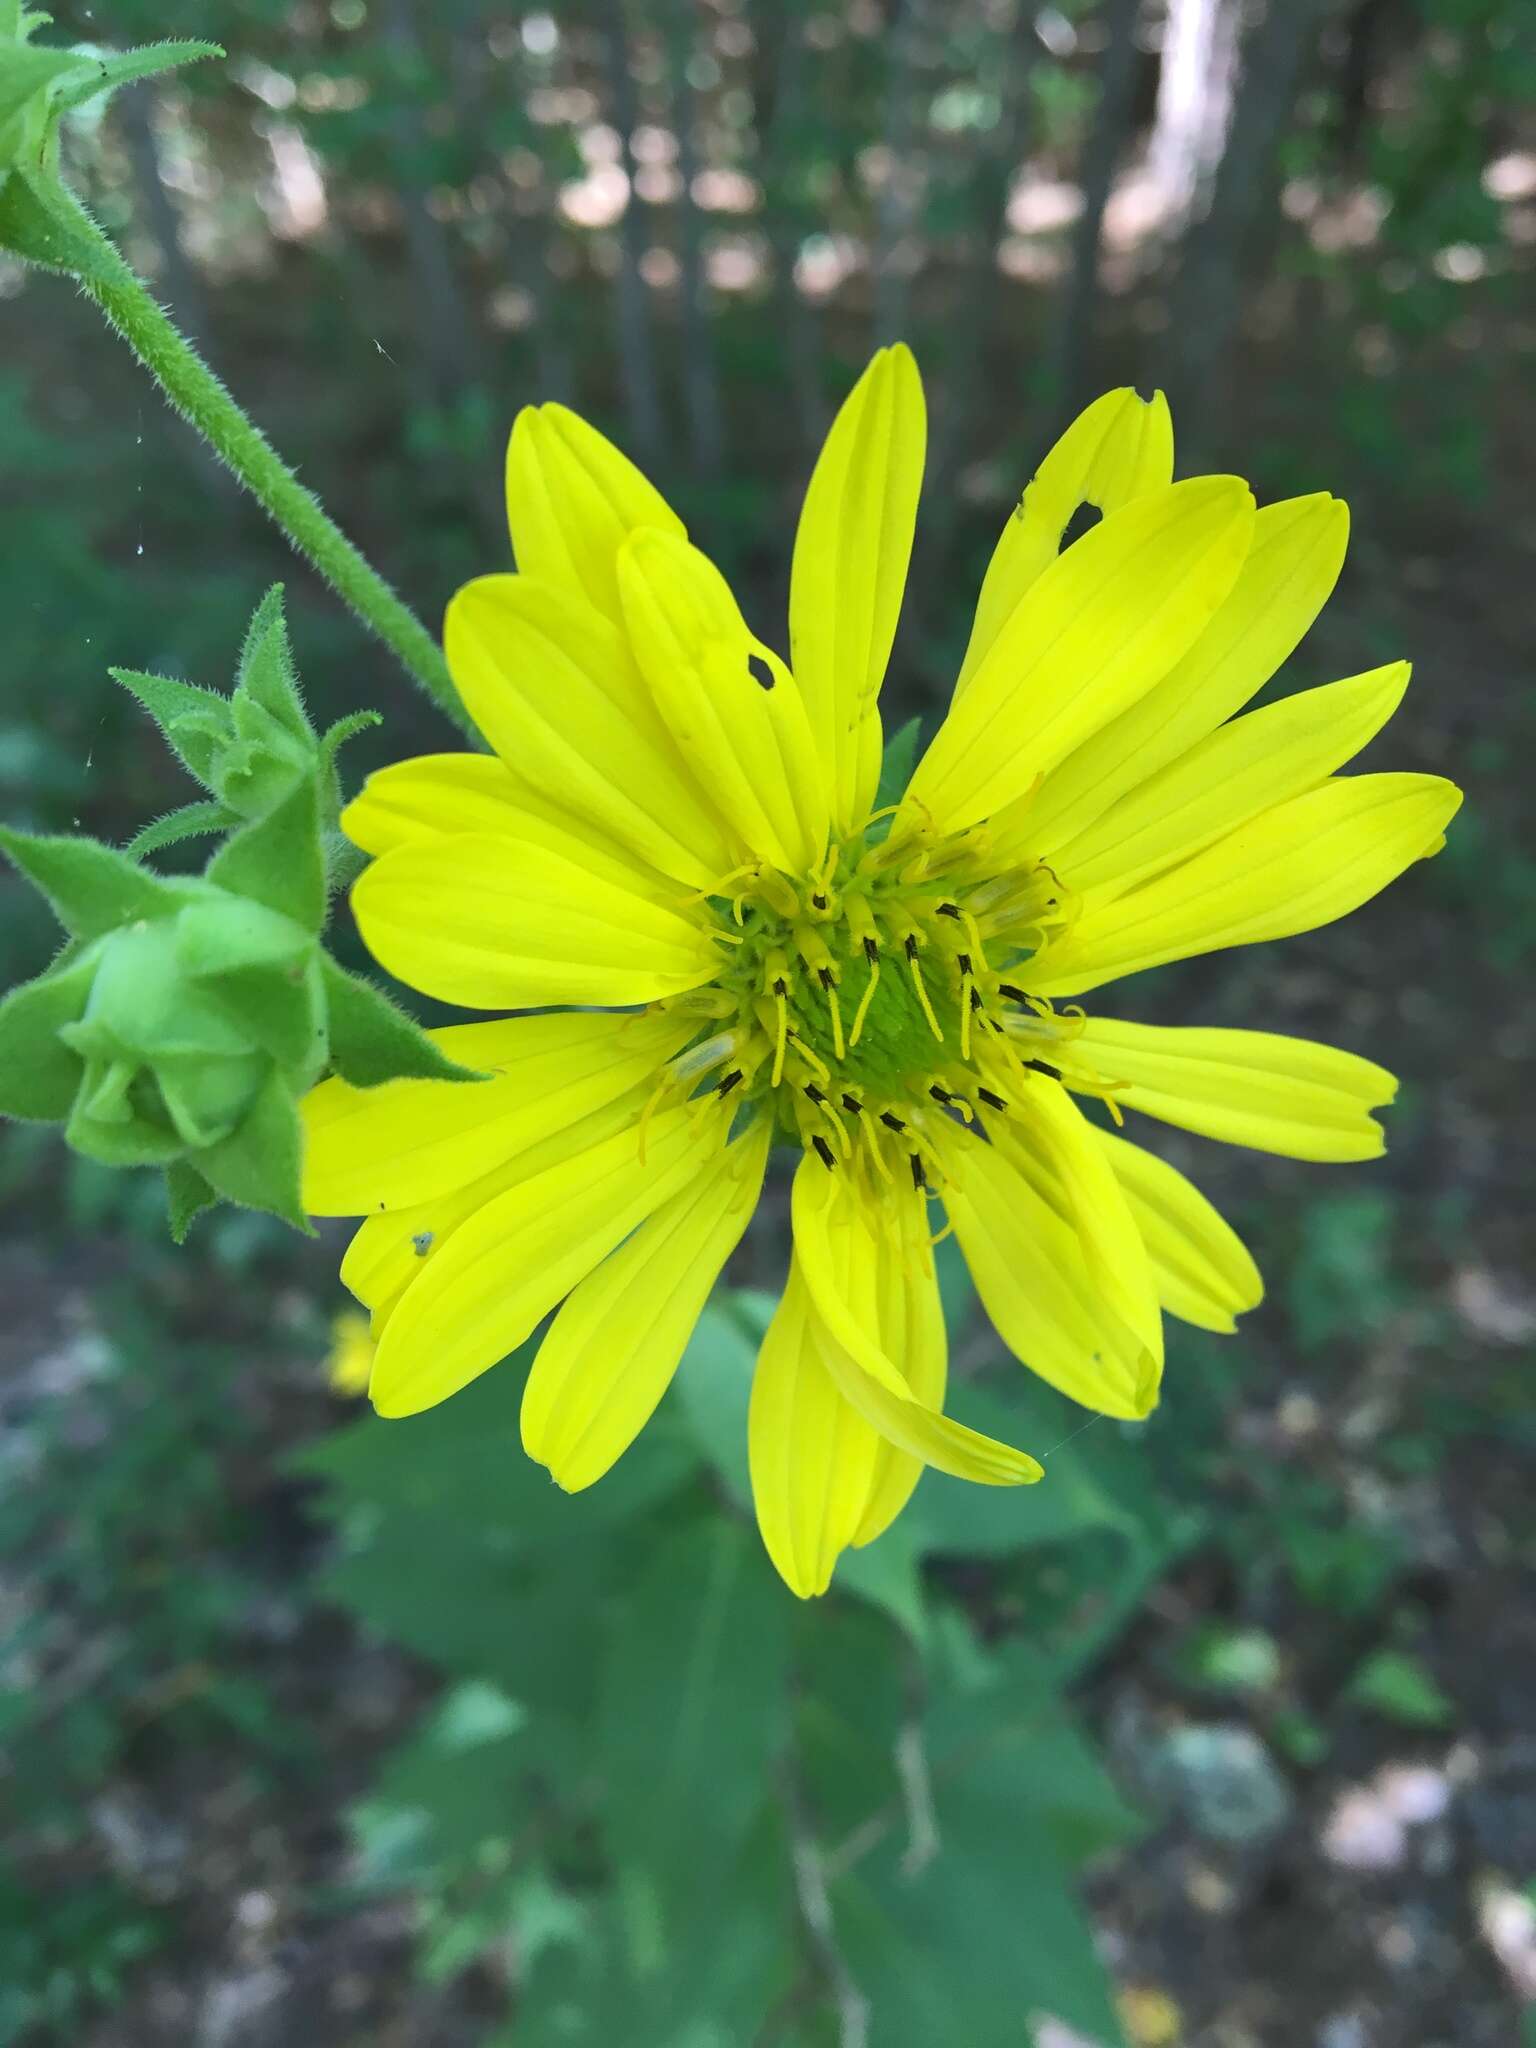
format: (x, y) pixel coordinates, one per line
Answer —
(188, 1014)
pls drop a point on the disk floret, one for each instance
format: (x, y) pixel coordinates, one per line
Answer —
(859, 1002)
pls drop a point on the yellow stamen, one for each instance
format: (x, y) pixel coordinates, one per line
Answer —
(817, 1065)
(837, 1022)
(864, 1002)
(922, 996)
(781, 1034)
(873, 1146)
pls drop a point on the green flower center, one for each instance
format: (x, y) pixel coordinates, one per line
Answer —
(858, 1000)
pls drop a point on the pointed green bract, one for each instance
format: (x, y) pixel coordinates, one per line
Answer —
(259, 1165)
(266, 673)
(39, 1074)
(196, 724)
(278, 861)
(373, 1040)
(187, 1194)
(91, 888)
(189, 822)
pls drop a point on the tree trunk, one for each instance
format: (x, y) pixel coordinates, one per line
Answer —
(637, 359)
(701, 377)
(1207, 295)
(781, 102)
(1069, 367)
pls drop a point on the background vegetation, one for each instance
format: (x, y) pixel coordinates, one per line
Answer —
(320, 1730)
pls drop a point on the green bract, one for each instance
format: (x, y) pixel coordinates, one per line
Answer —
(38, 85)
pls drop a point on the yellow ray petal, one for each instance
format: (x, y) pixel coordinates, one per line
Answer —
(852, 547)
(1300, 865)
(1257, 1088)
(835, 1230)
(748, 742)
(433, 797)
(553, 686)
(391, 1250)
(431, 794)
(505, 1267)
(1293, 564)
(370, 1150)
(812, 1456)
(1230, 776)
(911, 1325)
(572, 501)
(1026, 1256)
(1204, 1273)
(1096, 630)
(499, 924)
(612, 1350)
(1121, 447)
(1052, 1135)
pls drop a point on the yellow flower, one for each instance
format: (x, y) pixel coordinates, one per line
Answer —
(350, 1364)
(675, 819)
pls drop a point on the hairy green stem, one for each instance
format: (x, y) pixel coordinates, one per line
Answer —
(197, 394)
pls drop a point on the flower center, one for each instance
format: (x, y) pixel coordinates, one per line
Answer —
(859, 1001)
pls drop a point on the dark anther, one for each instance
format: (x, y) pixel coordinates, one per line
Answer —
(919, 1179)
(1044, 1067)
(760, 671)
(964, 961)
(852, 1103)
(824, 1153)
(976, 1002)
(814, 1094)
(871, 950)
(941, 1094)
(729, 1082)
(892, 1123)
(1014, 995)
(818, 903)
(949, 910)
(780, 988)
(992, 1101)
(826, 977)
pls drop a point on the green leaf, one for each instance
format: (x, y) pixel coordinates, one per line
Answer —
(39, 1074)
(277, 861)
(259, 1166)
(693, 1711)
(266, 673)
(964, 1929)
(897, 763)
(189, 822)
(1400, 1688)
(124, 67)
(187, 1194)
(373, 1040)
(713, 1386)
(92, 888)
(886, 1573)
